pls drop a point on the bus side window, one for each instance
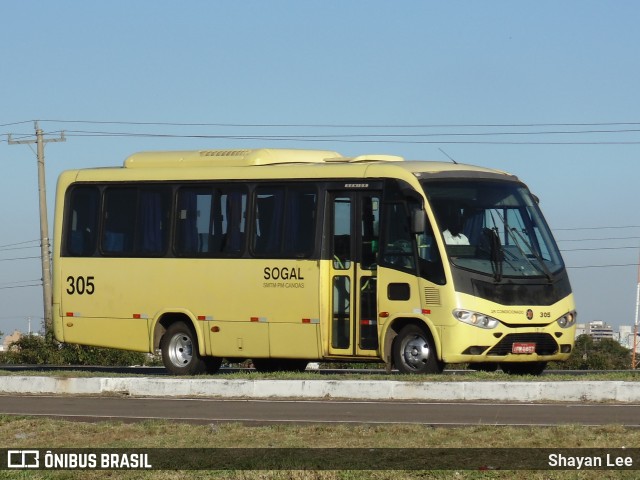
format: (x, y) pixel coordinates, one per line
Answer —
(210, 221)
(342, 233)
(82, 224)
(234, 206)
(370, 231)
(153, 221)
(300, 221)
(119, 220)
(429, 258)
(398, 249)
(285, 220)
(193, 218)
(136, 221)
(269, 204)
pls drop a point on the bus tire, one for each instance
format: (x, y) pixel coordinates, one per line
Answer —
(414, 351)
(180, 355)
(528, 368)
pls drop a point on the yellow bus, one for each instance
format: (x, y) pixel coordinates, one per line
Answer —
(290, 256)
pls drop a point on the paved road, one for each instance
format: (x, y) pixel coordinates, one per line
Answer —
(310, 411)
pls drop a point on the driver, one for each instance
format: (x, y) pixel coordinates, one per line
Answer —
(453, 232)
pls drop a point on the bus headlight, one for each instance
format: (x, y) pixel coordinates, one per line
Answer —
(476, 319)
(567, 320)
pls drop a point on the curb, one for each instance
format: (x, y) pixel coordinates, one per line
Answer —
(555, 391)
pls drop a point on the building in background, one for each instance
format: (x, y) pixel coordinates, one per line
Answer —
(625, 337)
(596, 329)
(9, 339)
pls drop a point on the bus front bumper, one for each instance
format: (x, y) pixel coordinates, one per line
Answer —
(514, 345)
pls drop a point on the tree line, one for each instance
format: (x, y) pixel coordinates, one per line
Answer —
(588, 354)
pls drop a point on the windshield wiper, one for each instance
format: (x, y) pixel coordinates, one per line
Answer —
(496, 254)
(540, 266)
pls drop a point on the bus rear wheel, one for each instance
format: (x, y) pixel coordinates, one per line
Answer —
(415, 352)
(179, 348)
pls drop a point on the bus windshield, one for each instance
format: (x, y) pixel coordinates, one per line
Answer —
(494, 228)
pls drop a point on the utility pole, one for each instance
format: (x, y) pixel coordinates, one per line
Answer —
(45, 251)
(635, 326)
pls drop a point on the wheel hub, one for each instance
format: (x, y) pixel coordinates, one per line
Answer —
(180, 350)
(416, 352)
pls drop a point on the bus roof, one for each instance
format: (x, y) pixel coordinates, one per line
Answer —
(268, 156)
(244, 158)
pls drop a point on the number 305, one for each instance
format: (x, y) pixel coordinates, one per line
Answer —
(80, 285)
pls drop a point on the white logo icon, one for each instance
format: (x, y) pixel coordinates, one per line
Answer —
(23, 459)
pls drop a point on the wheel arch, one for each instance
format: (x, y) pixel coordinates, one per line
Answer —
(398, 324)
(166, 319)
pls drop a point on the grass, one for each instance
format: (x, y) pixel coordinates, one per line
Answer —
(467, 376)
(25, 432)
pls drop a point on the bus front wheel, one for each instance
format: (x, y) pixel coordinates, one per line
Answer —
(179, 348)
(415, 352)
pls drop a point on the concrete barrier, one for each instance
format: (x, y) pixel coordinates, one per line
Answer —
(516, 391)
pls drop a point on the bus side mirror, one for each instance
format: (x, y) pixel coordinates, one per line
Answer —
(418, 221)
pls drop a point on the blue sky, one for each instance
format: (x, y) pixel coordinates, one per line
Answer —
(412, 66)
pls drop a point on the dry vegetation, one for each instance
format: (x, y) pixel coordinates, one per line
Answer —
(46, 433)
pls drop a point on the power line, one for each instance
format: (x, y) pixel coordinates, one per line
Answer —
(606, 266)
(352, 126)
(336, 139)
(18, 248)
(19, 243)
(22, 286)
(594, 239)
(596, 228)
(18, 282)
(17, 258)
(598, 249)
(21, 281)
(372, 138)
(333, 125)
(15, 123)
(352, 135)
(412, 135)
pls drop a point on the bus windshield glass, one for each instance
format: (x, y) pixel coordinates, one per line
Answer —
(494, 228)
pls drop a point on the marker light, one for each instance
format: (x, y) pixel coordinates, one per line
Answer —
(568, 319)
(476, 319)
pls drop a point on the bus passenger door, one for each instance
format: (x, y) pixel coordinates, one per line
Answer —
(355, 217)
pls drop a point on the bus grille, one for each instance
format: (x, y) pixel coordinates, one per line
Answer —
(432, 296)
(545, 343)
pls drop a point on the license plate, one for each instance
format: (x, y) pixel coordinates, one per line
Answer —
(523, 348)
